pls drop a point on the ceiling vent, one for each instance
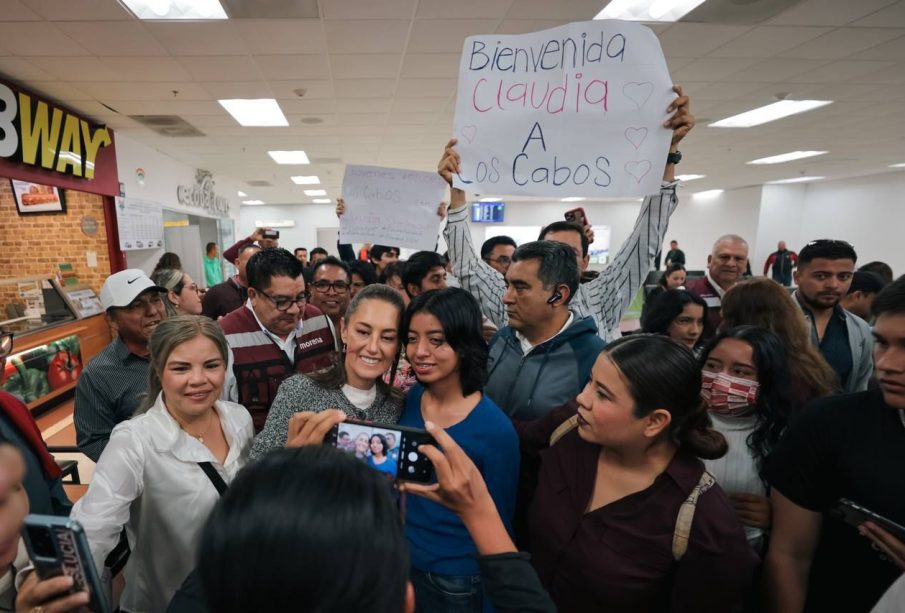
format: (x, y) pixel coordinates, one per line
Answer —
(271, 9)
(738, 11)
(168, 125)
(259, 183)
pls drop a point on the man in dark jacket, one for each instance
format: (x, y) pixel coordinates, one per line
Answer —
(782, 261)
(725, 266)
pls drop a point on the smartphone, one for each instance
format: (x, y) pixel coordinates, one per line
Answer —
(272, 234)
(397, 444)
(577, 216)
(854, 515)
(57, 546)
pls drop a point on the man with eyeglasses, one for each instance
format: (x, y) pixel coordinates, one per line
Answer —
(276, 334)
(330, 288)
(115, 381)
(497, 252)
(823, 277)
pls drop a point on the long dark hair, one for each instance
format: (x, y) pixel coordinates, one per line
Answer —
(460, 316)
(669, 270)
(663, 374)
(669, 305)
(310, 529)
(774, 401)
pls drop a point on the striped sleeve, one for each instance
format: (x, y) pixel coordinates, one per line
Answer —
(474, 274)
(609, 295)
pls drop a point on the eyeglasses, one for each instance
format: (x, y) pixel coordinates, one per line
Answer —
(284, 304)
(502, 260)
(322, 287)
(6, 344)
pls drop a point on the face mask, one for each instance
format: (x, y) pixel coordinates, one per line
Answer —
(729, 395)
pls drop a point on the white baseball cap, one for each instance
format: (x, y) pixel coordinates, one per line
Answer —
(122, 287)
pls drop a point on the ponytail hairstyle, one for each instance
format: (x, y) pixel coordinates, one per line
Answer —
(669, 270)
(169, 334)
(172, 280)
(774, 400)
(660, 373)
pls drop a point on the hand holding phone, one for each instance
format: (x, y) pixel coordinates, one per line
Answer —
(388, 448)
(272, 234)
(854, 515)
(577, 216)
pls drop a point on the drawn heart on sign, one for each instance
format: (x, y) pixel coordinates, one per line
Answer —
(639, 93)
(637, 170)
(636, 136)
(469, 133)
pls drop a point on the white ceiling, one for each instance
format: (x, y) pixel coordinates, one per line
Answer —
(381, 75)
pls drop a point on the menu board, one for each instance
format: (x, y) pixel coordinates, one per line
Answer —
(140, 224)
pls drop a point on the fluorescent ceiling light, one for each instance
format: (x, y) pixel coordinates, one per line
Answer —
(648, 10)
(315, 192)
(707, 195)
(241, 194)
(252, 202)
(572, 199)
(768, 113)
(787, 157)
(321, 201)
(289, 157)
(257, 112)
(795, 180)
(897, 165)
(689, 177)
(303, 180)
(159, 10)
(490, 199)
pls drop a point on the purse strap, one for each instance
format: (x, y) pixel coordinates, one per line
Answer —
(214, 476)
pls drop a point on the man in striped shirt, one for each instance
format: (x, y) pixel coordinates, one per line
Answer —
(604, 298)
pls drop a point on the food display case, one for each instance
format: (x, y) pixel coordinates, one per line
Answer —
(56, 329)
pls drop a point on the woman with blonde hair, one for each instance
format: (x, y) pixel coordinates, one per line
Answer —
(767, 304)
(183, 297)
(163, 470)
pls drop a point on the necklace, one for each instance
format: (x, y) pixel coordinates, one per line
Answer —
(199, 437)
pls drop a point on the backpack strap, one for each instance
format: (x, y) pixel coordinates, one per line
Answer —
(685, 518)
(214, 476)
(563, 429)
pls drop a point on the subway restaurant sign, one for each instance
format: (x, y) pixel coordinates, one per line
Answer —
(42, 141)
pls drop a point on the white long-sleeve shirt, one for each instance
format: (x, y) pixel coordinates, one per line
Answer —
(149, 481)
(605, 298)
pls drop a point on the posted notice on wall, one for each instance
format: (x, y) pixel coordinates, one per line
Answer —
(140, 224)
(576, 110)
(391, 206)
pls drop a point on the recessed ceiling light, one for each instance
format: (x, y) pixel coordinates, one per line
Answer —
(648, 10)
(572, 199)
(490, 199)
(689, 177)
(315, 192)
(897, 165)
(795, 180)
(303, 180)
(787, 157)
(707, 195)
(771, 112)
(241, 194)
(256, 112)
(252, 202)
(159, 10)
(321, 201)
(289, 157)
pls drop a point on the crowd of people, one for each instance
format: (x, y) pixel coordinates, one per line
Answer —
(707, 462)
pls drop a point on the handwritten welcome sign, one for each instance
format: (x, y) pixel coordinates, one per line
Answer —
(391, 206)
(576, 110)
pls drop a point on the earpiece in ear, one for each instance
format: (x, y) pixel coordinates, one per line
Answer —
(556, 296)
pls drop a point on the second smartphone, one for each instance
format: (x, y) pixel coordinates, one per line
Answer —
(389, 448)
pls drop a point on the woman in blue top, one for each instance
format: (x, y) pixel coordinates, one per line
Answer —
(445, 346)
(379, 459)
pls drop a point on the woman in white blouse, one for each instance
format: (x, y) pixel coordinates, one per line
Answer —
(150, 477)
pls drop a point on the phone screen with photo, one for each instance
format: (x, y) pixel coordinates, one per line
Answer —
(390, 450)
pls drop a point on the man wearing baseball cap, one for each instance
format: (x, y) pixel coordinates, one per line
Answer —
(115, 381)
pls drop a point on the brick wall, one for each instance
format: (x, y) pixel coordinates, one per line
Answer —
(36, 244)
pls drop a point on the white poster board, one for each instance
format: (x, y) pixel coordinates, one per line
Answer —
(140, 224)
(576, 110)
(391, 206)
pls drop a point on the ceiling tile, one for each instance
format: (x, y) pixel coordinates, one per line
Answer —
(282, 67)
(698, 39)
(365, 66)
(116, 91)
(199, 37)
(767, 41)
(314, 89)
(427, 65)
(362, 119)
(426, 88)
(366, 36)
(778, 69)
(712, 68)
(63, 92)
(574, 10)
(478, 9)
(842, 42)
(299, 106)
(168, 107)
(827, 12)
(893, 50)
(22, 70)
(83, 10)
(113, 37)
(276, 37)
(894, 75)
(420, 105)
(370, 9)
(146, 68)
(526, 26)
(238, 89)
(365, 88)
(843, 71)
(446, 35)
(38, 38)
(77, 68)
(363, 105)
(14, 10)
(221, 67)
(892, 16)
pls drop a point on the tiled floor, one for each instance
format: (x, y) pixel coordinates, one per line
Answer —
(57, 428)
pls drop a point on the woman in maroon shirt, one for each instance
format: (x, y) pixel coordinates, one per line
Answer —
(604, 516)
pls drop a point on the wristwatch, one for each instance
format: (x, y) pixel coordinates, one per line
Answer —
(674, 158)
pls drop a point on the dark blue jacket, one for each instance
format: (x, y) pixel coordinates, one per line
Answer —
(527, 386)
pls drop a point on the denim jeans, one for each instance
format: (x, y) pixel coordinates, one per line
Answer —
(446, 593)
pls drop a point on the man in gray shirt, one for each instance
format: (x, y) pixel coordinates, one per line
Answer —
(115, 381)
